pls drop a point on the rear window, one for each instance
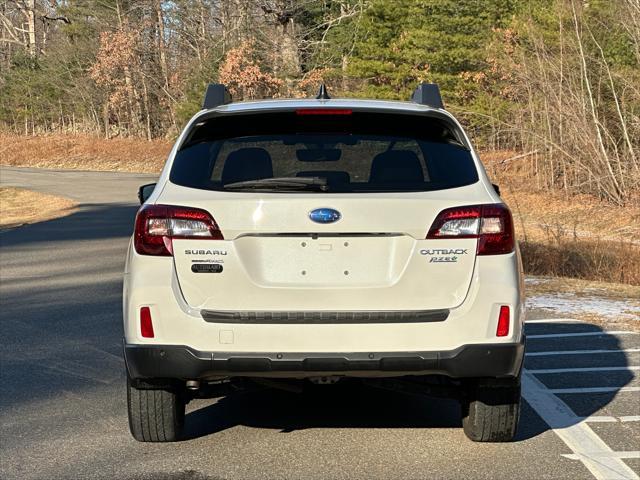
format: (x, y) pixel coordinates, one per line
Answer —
(348, 151)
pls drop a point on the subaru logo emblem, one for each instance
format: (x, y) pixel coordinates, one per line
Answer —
(324, 215)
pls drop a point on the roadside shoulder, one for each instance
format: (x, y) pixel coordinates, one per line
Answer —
(20, 206)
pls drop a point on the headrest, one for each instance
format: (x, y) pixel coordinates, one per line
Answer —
(396, 166)
(247, 164)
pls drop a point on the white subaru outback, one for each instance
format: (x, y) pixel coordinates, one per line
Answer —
(323, 240)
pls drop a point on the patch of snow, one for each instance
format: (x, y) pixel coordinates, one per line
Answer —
(535, 280)
(568, 303)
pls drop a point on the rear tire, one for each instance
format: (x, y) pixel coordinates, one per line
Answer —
(155, 415)
(491, 411)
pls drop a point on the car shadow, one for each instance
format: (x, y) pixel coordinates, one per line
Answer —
(61, 303)
(357, 405)
(351, 404)
(87, 222)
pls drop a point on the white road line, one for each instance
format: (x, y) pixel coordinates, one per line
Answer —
(577, 456)
(556, 320)
(579, 352)
(580, 334)
(605, 419)
(578, 436)
(582, 369)
(594, 389)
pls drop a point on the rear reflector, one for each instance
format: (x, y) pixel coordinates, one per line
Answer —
(157, 225)
(323, 111)
(491, 224)
(503, 322)
(146, 325)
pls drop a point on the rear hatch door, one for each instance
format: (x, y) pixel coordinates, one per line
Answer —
(351, 236)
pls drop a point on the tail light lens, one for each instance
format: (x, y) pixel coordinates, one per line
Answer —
(157, 225)
(491, 224)
(503, 322)
(146, 324)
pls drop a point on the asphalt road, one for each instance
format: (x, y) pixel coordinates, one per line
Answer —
(63, 404)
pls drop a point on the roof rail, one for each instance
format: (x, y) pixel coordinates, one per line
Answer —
(216, 94)
(428, 94)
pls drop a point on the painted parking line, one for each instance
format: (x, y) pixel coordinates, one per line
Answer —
(606, 419)
(577, 456)
(580, 352)
(594, 390)
(588, 447)
(583, 369)
(580, 334)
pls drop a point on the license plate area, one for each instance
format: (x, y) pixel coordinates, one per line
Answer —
(321, 261)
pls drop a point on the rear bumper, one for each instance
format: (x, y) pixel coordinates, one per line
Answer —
(181, 362)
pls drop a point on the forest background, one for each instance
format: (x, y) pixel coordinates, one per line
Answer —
(548, 89)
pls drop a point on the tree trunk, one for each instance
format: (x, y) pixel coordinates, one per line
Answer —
(105, 119)
(145, 98)
(161, 44)
(289, 59)
(28, 10)
(31, 26)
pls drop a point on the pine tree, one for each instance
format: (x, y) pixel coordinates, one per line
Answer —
(407, 41)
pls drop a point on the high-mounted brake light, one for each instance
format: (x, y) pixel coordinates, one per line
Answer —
(491, 224)
(157, 225)
(323, 111)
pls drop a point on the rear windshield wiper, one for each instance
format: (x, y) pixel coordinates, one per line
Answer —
(281, 183)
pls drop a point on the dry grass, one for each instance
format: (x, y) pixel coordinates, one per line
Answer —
(19, 207)
(603, 260)
(582, 288)
(566, 235)
(540, 215)
(537, 211)
(83, 152)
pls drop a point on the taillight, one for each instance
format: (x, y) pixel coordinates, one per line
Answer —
(157, 225)
(491, 224)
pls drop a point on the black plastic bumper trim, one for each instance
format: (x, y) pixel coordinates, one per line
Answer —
(319, 317)
(175, 361)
